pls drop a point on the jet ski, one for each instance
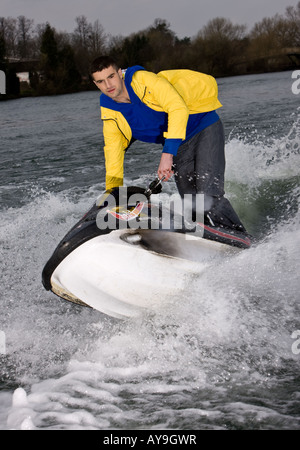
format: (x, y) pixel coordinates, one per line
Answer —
(129, 253)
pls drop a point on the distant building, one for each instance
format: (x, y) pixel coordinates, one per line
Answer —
(23, 77)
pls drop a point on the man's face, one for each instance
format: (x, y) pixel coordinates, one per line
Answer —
(110, 82)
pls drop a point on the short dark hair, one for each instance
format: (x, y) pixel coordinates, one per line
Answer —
(103, 62)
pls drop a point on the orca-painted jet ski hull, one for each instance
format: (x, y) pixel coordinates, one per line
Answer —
(122, 262)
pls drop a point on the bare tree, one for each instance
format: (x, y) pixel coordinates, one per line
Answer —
(88, 42)
(98, 39)
(293, 17)
(82, 32)
(8, 28)
(219, 44)
(221, 28)
(25, 35)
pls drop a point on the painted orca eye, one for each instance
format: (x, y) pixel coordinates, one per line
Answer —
(134, 238)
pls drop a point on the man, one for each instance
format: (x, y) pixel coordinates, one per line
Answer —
(177, 109)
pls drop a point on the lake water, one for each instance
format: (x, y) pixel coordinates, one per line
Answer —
(224, 356)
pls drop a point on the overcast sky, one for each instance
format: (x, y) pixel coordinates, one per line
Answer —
(123, 17)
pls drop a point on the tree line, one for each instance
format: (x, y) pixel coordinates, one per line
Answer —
(60, 60)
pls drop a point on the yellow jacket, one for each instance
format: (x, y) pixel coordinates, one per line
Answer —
(179, 93)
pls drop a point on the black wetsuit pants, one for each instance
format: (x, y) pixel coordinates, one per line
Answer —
(199, 168)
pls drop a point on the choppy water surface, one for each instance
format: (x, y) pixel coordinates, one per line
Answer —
(225, 355)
